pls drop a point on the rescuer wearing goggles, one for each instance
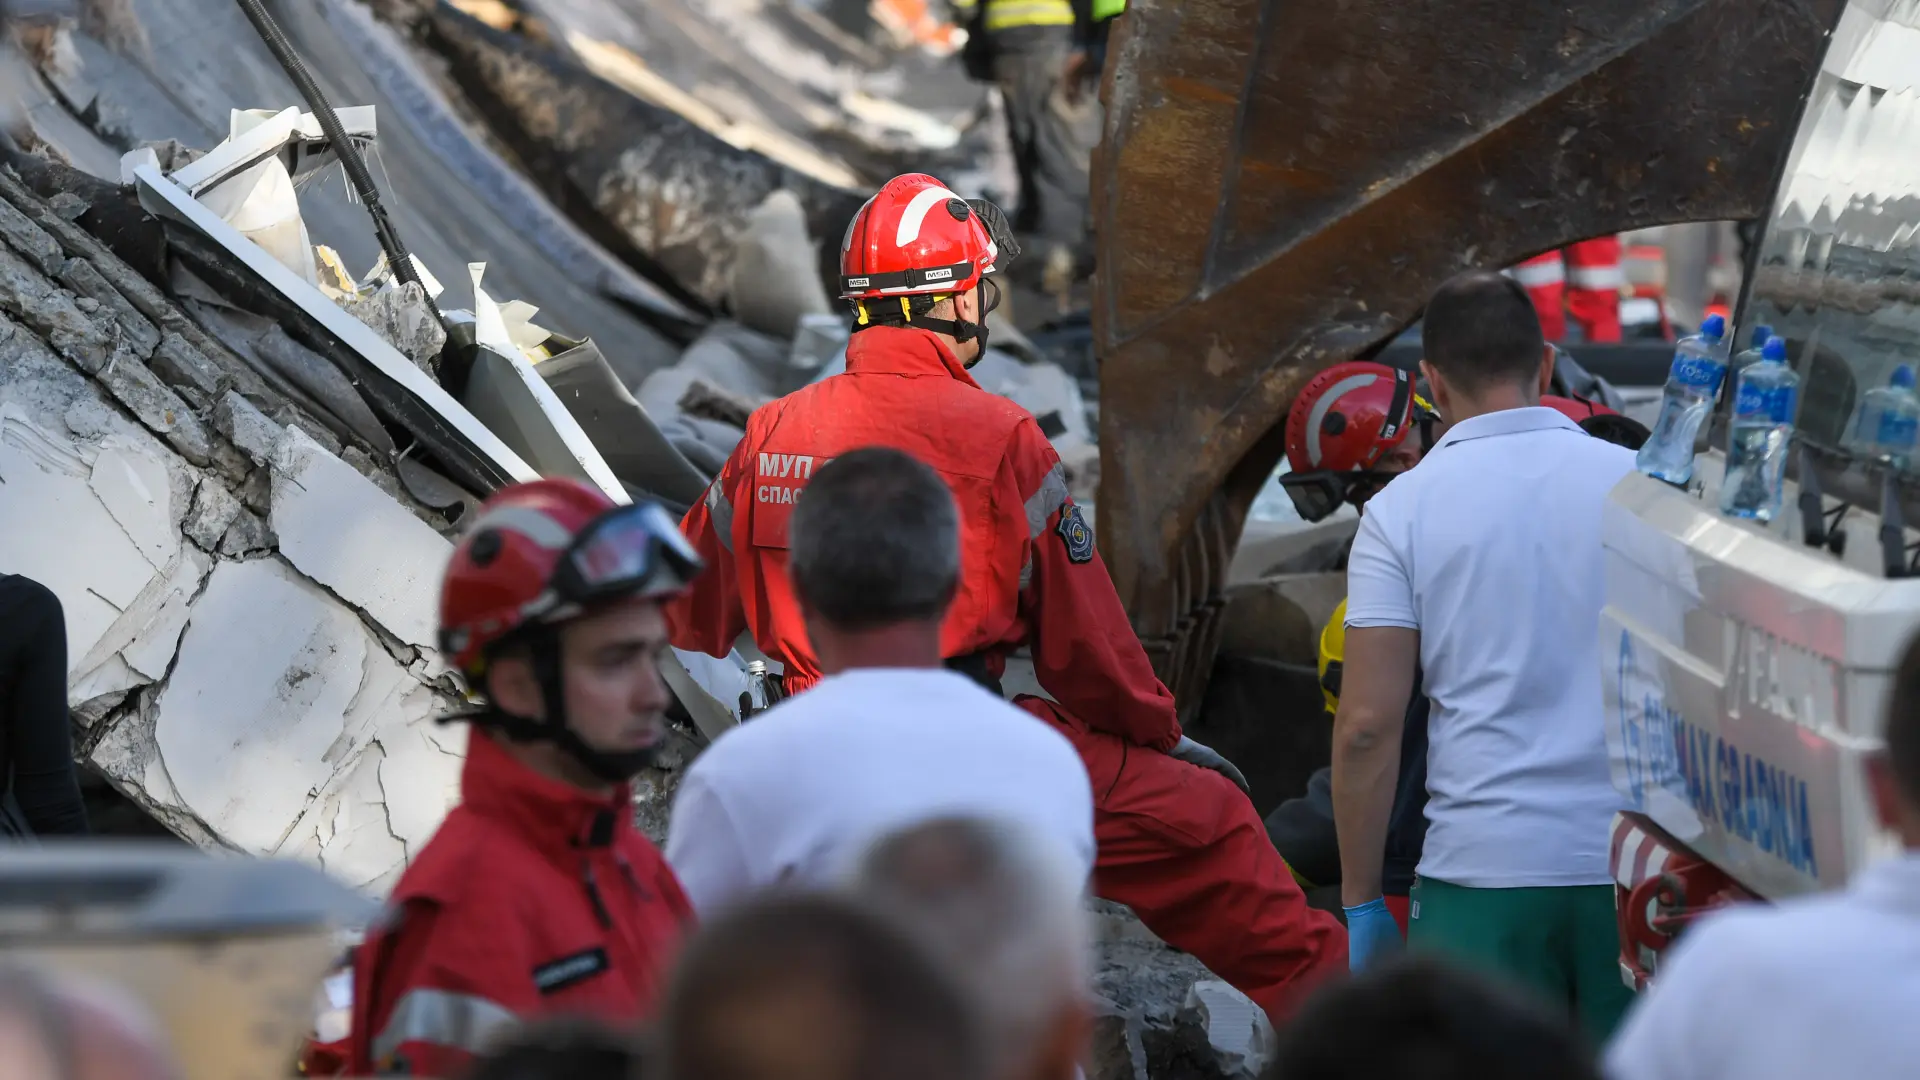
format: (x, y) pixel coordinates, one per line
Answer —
(537, 894)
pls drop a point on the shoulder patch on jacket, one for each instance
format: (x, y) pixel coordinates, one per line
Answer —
(556, 975)
(1073, 529)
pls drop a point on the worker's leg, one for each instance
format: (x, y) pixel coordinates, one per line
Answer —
(1600, 996)
(36, 736)
(1544, 277)
(1518, 934)
(1594, 280)
(1301, 830)
(1024, 86)
(1185, 850)
(1401, 908)
(1052, 139)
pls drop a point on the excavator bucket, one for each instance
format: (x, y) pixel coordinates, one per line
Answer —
(1281, 185)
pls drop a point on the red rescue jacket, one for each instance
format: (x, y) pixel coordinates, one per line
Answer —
(534, 897)
(1029, 572)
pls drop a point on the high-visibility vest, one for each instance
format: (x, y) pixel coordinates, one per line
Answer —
(1014, 14)
(1107, 9)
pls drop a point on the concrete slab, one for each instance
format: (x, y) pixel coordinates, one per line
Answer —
(276, 696)
(336, 527)
(138, 493)
(73, 544)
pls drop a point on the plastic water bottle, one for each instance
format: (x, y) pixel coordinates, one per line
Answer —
(1761, 430)
(1694, 381)
(1889, 420)
(1750, 355)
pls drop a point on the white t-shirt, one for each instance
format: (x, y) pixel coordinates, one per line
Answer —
(1491, 549)
(797, 795)
(1826, 986)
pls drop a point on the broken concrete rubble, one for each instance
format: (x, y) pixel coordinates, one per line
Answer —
(195, 700)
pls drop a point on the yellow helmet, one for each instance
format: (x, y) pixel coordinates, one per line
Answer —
(1333, 650)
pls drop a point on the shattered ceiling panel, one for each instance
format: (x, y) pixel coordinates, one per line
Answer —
(454, 201)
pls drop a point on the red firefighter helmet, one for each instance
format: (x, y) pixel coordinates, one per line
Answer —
(1341, 426)
(540, 552)
(916, 236)
(1349, 417)
(1599, 421)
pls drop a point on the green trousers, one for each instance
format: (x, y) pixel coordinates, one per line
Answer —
(1563, 942)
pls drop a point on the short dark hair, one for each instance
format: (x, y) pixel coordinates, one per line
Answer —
(800, 986)
(1481, 330)
(561, 1048)
(1444, 1023)
(875, 540)
(1903, 723)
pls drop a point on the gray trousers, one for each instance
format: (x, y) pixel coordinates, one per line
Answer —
(1052, 142)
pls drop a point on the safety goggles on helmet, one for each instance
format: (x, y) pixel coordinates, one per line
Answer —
(1319, 493)
(998, 230)
(629, 550)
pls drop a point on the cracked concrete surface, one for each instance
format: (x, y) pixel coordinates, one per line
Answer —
(244, 704)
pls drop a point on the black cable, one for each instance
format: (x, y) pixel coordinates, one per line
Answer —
(398, 261)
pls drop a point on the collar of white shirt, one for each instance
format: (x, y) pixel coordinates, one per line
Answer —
(1507, 422)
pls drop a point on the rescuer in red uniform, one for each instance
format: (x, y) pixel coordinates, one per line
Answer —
(1178, 841)
(537, 895)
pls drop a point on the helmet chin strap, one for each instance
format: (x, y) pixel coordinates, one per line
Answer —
(608, 766)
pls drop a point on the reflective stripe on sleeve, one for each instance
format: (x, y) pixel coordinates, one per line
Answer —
(1609, 278)
(1533, 275)
(721, 510)
(463, 1022)
(1042, 503)
(1007, 14)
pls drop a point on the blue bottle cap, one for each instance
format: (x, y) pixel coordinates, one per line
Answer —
(1902, 377)
(1760, 335)
(1714, 328)
(1775, 350)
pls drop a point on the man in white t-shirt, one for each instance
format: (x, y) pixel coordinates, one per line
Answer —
(890, 737)
(1819, 986)
(1482, 566)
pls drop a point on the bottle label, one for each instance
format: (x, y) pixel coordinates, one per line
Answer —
(1698, 372)
(1773, 404)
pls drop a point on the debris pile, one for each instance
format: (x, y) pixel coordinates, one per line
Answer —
(247, 460)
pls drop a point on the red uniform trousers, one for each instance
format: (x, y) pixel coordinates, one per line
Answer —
(1183, 848)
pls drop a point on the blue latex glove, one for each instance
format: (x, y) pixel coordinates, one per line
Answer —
(1372, 935)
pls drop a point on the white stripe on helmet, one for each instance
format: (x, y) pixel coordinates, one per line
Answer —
(846, 242)
(916, 213)
(1318, 414)
(526, 521)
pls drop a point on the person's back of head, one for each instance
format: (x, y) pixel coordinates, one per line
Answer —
(1894, 775)
(1420, 1019)
(814, 988)
(1480, 333)
(561, 1048)
(873, 547)
(1005, 911)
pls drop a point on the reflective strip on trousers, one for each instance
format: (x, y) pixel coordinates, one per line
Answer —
(1008, 14)
(722, 513)
(1534, 275)
(464, 1022)
(1042, 503)
(1608, 278)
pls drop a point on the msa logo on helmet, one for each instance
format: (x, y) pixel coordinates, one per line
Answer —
(945, 273)
(856, 283)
